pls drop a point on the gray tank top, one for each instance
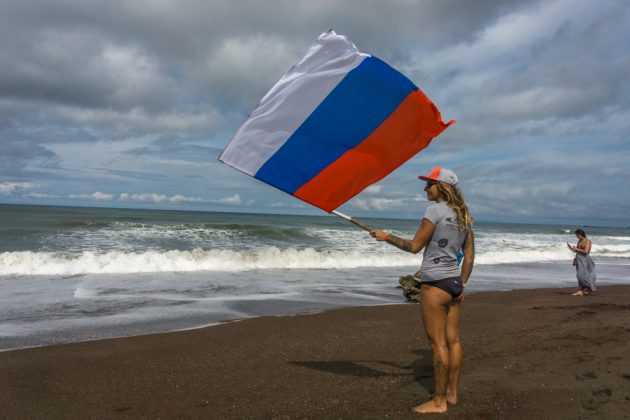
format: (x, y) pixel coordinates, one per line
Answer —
(440, 255)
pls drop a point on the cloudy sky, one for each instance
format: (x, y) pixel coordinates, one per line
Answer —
(128, 103)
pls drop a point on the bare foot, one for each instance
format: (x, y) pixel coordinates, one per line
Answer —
(451, 396)
(452, 399)
(431, 406)
(578, 293)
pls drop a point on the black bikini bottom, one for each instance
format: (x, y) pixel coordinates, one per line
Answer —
(451, 285)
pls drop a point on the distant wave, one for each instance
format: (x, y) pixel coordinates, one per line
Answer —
(34, 263)
(48, 263)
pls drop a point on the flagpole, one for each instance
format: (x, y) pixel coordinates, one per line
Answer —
(351, 220)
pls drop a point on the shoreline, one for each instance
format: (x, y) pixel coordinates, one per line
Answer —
(130, 311)
(529, 352)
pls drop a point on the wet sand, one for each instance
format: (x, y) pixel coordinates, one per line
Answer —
(530, 353)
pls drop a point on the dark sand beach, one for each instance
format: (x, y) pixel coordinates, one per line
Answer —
(528, 354)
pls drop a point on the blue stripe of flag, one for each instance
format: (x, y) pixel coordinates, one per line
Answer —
(358, 105)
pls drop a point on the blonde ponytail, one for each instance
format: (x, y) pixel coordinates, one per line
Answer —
(455, 201)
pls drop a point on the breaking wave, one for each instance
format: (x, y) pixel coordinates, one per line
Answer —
(153, 261)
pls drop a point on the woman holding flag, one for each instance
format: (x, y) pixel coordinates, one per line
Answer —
(446, 228)
(315, 138)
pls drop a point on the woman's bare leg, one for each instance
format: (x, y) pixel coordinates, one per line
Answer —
(434, 307)
(455, 352)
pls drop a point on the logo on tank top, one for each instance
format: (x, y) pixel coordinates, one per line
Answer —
(442, 243)
(436, 260)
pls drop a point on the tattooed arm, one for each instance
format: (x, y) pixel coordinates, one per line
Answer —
(415, 245)
(469, 256)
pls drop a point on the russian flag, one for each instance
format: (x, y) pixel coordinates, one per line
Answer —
(337, 122)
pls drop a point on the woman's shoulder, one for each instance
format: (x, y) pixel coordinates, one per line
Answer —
(437, 208)
(440, 205)
(433, 213)
(437, 212)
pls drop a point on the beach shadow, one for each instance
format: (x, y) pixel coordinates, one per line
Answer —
(421, 368)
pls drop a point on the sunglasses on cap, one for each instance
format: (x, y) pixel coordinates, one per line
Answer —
(430, 184)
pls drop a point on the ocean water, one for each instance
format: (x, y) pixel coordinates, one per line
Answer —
(73, 274)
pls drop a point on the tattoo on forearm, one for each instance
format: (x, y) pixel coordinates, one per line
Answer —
(469, 257)
(403, 244)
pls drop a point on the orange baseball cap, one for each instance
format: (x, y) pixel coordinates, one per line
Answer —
(442, 175)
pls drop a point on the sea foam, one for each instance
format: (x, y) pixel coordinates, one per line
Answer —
(153, 261)
(45, 263)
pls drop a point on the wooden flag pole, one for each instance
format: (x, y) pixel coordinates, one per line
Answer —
(350, 219)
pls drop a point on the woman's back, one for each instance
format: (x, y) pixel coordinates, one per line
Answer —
(440, 255)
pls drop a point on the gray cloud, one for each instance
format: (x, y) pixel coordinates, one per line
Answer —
(127, 97)
(125, 55)
(16, 155)
(559, 65)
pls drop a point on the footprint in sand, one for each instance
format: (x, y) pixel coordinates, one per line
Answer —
(602, 392)
(602, 396)
(586, 375)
